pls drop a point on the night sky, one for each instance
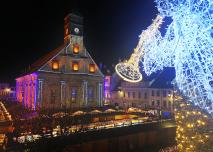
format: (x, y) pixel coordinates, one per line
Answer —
(30, 29)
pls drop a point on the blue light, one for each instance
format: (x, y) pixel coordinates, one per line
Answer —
(187, 46)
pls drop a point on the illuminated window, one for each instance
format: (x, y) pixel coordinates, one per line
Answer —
(75, 66)
(92, 68)
(55, 65)
(75, 49)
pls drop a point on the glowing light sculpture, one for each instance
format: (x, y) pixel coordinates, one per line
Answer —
(187, 46)
(129, 70)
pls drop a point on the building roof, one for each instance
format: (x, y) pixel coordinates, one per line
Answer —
(164, 79)
(161, 79)
(42, 61)
(47, 57)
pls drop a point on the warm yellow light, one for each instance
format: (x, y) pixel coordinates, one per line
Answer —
(190, 125)
(76, 49)
(55, 65)
(127, 79)
(205, 116)
(7, 89)
(92, 68)
(75, 66)
(199, 121)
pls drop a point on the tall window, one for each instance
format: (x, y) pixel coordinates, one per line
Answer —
(164, 93)
(128, 94)
(73, 94)
(153, 93)
(145, 95)
(90, 94)
(158, 102)
(133, 94)
(139, 95)
(153, 102)
(158, 93)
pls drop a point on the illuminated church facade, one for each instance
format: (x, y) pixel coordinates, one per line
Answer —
(66, 77)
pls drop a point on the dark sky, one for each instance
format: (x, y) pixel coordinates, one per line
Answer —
(29, 29)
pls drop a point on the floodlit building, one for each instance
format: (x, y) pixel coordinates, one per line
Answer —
(7, 92)
(66, 77)
(152, 92)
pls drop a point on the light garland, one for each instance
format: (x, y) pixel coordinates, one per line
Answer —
(188, 47)
(129, 70)
(194, 130)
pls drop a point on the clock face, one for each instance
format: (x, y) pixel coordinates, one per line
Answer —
(76, 30)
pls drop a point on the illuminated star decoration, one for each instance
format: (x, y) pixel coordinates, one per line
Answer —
(187, 46)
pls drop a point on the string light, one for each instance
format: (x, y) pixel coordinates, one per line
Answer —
(193, 129)
(187, 46)
(129, 70)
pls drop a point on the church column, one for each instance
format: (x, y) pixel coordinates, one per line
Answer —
(100, 94)
(40, 92)
(63, 83)
(85, 92)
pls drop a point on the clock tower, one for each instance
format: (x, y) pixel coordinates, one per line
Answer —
(73, 26)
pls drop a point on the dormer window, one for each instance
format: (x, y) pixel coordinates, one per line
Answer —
(91, 68)
(55, 65)
(75, 66)
(75, 48)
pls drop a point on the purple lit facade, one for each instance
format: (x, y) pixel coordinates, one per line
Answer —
(107, 93)
(26, 90)
(52, 82)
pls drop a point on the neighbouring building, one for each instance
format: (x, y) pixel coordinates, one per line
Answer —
(66, 77)
(152, 92)
(7, 92)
